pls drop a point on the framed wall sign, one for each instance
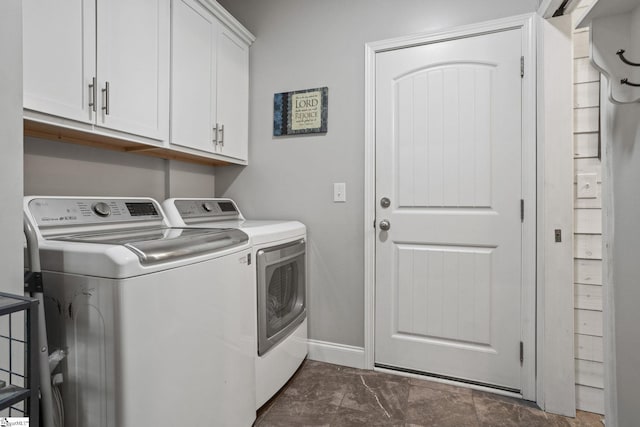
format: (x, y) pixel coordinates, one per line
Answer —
(300, 112)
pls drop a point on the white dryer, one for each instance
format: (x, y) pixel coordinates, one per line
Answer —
(279, 251)
(154, 318)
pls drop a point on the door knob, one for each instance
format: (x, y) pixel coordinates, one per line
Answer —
(385, 225)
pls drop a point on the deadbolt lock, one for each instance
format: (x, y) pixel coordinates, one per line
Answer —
(385, 202)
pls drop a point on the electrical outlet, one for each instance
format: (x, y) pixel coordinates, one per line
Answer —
(558, 235)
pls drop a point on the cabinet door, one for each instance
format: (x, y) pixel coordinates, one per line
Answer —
(133, 58)
(233, 94)
(59, 57)
(193, 75)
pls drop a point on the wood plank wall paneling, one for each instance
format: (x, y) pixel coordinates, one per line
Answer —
(587, 246)
(581, 44)
(589, 348)
(585, 145)
(588, 165)
(586, 119)
(588, 322)
(591, 203)
(589, 373)
(586, 95)
(587, 227)
(583, 72)
(588, 297)
(588, 272)
(590, 399)
(588, 221)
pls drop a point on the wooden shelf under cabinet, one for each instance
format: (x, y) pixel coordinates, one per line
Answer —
(56, 133)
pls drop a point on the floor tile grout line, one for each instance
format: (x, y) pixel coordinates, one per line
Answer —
(475, 408)
(335, 413)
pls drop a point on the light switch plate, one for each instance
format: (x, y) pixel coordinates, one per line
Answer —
(339, 192)
(587, 186)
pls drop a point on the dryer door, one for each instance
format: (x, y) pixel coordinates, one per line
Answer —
(281, 292)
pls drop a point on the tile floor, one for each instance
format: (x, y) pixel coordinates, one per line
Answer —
(321, 394)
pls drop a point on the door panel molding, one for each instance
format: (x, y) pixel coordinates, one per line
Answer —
(527, 24)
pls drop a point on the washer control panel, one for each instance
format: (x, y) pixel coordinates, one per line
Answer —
(207, 208)
(68, 211)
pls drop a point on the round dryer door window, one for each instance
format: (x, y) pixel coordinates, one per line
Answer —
(281, 292)
(282, 296)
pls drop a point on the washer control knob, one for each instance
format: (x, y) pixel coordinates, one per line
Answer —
(207, 206)
(101, 209)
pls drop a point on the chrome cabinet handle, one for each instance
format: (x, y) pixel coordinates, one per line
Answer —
(385, 225)
(93, 94)
(215, 134)
(221, 135)
(105, 98)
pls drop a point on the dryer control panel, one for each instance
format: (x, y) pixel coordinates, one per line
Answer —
(210, 209)
(85, 211)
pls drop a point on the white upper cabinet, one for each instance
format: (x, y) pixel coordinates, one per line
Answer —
(133, 63)
(209, 81)
(59, 40)
(233, 95)
(104, 63)
(193, 76)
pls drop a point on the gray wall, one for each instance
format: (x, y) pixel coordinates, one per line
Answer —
(62, 169)
(625, 149)
(11, 273)
(305, 44)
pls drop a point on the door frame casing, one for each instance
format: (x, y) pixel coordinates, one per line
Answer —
(527, 23)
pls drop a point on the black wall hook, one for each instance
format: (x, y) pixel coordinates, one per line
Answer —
(628, 83)
(620, 53)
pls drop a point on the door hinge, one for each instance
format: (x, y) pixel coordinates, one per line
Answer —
(521, 353)
(521, 66)
(521, 210)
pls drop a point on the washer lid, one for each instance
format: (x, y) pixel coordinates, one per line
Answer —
(161, 244)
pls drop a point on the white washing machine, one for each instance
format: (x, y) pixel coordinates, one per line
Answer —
(154, 319)
(279, 251)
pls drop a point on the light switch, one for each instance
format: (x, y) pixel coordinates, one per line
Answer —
(587, 186)
(339, 192)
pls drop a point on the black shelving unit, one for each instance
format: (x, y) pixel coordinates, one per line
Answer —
(10, 394)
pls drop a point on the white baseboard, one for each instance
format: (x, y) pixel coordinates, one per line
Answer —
(337, 354)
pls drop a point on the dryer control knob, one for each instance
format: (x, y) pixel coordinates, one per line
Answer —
(101, 209)
(207, 206)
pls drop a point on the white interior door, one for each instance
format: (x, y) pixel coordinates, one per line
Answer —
(449, 158)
